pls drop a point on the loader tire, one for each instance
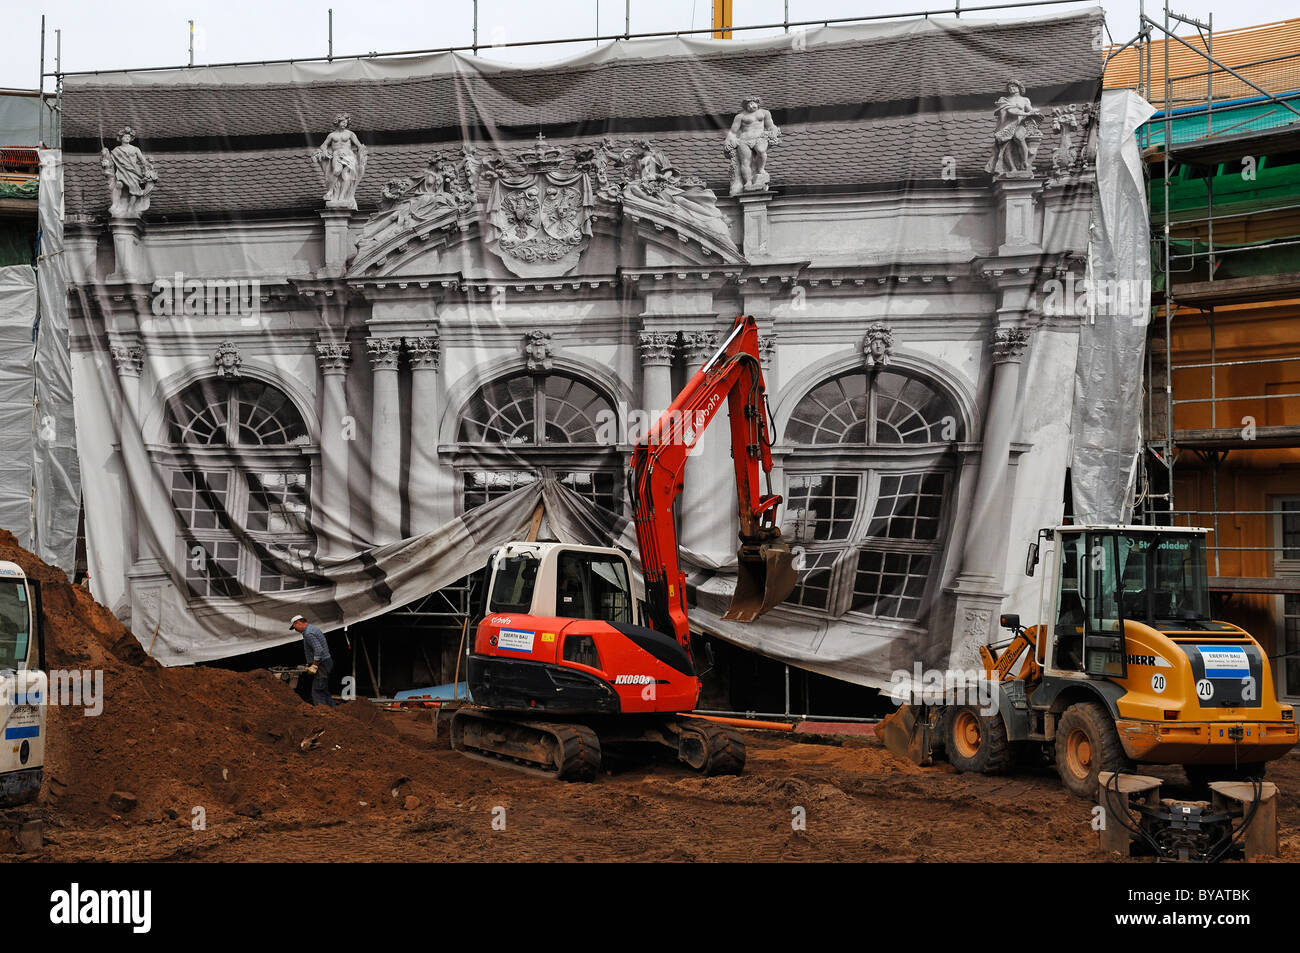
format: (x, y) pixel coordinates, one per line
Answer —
(976, 742)
(1086, 745)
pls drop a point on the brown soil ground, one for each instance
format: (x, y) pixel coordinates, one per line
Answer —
(379, 786)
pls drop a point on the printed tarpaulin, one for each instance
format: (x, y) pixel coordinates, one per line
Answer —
(57, 470)
(17, 393)
(338, 327)
(1112, 340)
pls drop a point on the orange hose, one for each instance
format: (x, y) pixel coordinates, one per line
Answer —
(746, 722)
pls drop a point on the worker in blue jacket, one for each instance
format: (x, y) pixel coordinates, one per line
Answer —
(319, 663)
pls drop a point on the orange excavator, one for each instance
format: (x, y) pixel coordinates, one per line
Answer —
(566, 663)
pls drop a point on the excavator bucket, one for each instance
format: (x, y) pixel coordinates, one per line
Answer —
(765, 576)
(906, 733)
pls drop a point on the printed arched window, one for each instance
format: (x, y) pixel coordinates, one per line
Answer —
(241, 488)
(524, 427)
(866, 492)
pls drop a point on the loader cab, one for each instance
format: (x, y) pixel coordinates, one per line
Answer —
(562, 580)
(1107, 575)
(1088, 624)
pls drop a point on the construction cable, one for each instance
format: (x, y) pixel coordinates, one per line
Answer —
(1247, 819)
(1125, 818)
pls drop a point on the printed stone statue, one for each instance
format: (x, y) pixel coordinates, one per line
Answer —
(342, 161)
(746, 145)
(1016, 138)
(653, 179)
(131, 177)
(439, 188)
(404, 204)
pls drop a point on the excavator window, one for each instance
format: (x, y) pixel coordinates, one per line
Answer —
(592, 586)
(512, 588)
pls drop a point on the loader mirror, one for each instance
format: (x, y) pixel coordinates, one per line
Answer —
(1009, 621)
(1031, 559)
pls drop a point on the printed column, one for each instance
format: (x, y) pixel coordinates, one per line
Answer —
(657, 349)
(385, 441)
(333, 507)
(424, 491)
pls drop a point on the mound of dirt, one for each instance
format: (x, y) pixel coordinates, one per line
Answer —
(199, 742)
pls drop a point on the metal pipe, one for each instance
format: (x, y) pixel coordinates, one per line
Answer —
(761, 714)
(1247, 248)
(1227, 215)
(1214, 501)
(40, 113)
(1262, 360)
(1169, 457)
(191, 42)
(1214, 376)
(588, 39)
(1241, 512)
(1204, 400)
(787, 689)
(331, 53)
(1209, 85)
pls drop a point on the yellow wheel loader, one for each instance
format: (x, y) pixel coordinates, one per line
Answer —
(1125, 666)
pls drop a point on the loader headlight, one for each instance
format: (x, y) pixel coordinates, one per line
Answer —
(1288, 714)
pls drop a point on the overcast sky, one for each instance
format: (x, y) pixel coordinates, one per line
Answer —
(121, 34)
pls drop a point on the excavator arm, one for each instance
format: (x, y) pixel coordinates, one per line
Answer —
(734, 375)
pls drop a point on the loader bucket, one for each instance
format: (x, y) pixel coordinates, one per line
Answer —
(765, 576)
(906, 733)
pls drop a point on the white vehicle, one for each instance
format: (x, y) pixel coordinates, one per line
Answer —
(22, 688)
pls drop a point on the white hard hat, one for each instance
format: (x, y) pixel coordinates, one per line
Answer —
(295, 620)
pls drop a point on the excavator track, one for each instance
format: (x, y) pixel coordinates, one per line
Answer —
(710, 748)
(557, 750)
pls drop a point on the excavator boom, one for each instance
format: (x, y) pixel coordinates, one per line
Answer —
(733, 375)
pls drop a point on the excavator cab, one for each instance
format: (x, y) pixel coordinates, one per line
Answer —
(561, 581)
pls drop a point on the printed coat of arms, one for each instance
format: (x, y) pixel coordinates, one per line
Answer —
(537, 209)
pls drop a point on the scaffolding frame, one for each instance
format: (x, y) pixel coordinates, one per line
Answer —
(1212, 446)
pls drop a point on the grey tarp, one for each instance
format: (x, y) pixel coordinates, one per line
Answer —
(17, 384)
(57, 469)
(1112, 339)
